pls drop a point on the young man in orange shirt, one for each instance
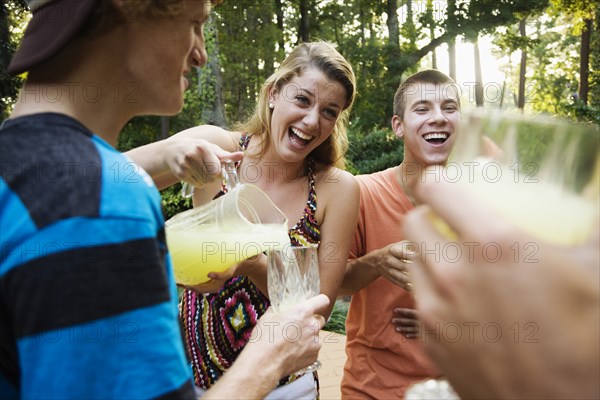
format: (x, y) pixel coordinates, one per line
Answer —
(382, 363)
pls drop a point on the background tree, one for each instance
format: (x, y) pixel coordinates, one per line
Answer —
(523, 64)
(13, 14)
(384, 41)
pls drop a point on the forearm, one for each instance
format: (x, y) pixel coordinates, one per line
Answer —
(360, 272)
(150, 159)
(271, 354)
(256, 270)
(245, 381)
(193, 155)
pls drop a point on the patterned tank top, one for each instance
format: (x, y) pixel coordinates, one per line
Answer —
(217, 326)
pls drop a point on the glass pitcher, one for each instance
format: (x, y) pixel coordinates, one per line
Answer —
(211, 238)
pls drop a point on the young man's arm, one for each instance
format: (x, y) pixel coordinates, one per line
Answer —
(271, 354)
(389, 262)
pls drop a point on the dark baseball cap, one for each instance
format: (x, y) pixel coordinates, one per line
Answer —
(52, 25)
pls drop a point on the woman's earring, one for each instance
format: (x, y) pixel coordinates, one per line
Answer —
(271, 105)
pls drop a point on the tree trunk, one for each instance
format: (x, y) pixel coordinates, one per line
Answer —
(279, 17)
(452, 42)
(594, 93)
(411, 30)
(523, 69)
(210, 81)
(478, 76)
(394, 72)
(392, 24)
(584, 61)
(433, 55)
(304, 28)
(164, 127)
(270, 46)
(452, 58)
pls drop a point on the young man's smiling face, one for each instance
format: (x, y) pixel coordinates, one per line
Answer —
(428, 126)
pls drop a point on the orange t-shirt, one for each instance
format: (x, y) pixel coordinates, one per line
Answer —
(381, 363)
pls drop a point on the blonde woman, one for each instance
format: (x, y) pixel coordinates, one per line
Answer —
(294, 147)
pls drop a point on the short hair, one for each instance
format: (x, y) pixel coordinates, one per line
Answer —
(327, 59)
(427, 76)
(105, 16)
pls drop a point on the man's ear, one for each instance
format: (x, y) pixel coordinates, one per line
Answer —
(398, 126)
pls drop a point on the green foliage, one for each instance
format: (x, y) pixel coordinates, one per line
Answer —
(374, 151)
(172, 202)
(577, 10)
(577, 110)
(250, 47)
(553, 65)
(337, 320)
(13, 15)
(139, 131)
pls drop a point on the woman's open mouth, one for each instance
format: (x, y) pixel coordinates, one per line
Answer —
(299, 138)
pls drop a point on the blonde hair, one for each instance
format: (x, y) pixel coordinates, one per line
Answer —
(327, 59)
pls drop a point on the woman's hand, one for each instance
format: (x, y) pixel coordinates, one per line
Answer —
(196, 161)
(249, 267)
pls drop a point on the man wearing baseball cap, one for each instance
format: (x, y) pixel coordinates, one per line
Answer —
(88, 305)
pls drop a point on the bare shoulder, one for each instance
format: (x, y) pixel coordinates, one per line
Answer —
(338, 196)
(335, 182)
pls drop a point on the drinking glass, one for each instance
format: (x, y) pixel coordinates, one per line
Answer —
(431, 389)
(293, 276)
(540, 173)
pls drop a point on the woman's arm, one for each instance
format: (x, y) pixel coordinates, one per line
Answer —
(193, 155)
(338, 196)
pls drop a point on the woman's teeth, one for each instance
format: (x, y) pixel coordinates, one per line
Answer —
(300, 134)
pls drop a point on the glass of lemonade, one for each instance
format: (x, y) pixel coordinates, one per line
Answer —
(293, 276)
(540, 173)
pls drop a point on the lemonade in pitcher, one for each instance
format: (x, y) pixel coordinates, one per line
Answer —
(240, 224)
(204, 248)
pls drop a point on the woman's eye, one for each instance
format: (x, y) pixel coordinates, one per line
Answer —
(330, 113)
(302, 99)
